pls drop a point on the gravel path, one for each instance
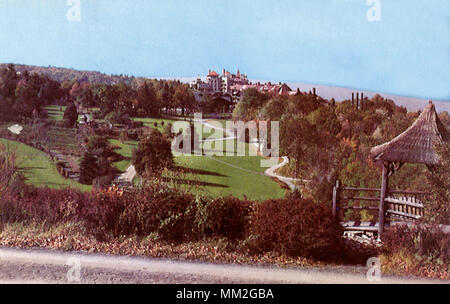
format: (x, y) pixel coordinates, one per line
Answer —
(48, 266)
(128, 175)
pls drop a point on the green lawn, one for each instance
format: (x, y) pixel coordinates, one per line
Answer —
(228, 175)
(216, 176)
(55, 112)
(37, 167)
(240, 176)
(149, 122)
(126, 150)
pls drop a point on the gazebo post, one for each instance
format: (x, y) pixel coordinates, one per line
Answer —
(383, 194)
(411, 146)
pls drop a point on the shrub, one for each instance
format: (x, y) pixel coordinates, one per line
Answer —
(141, 113)
(133, 135)
(437, 209)
(296, 227)
(102, 181)
(153, 155)
(43, 205)
(224, 217)
(123, 136)
(154, 208)
(418, 250)
(102, 213)
(137, 124)
(425, 241)
(70, 115)
(167, 131)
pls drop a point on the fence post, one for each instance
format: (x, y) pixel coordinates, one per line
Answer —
(336, 201)
(382, 206)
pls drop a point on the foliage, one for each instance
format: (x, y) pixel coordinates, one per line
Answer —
(248, 106)
(70, 115)
(153, 155)
(11, 181)
(223, 217)
(297, 135)
(26, 93)
(437, 208)
(418, 251)
(96, 160)
(296, 227)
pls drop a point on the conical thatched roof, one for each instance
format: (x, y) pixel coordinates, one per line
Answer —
(416, 144)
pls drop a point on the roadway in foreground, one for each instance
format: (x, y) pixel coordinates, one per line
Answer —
(49, 266)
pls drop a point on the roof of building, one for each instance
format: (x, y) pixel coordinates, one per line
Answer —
(416, 144)
(213, 73)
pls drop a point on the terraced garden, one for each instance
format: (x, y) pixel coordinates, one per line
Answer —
(55, 112)
(38, 168)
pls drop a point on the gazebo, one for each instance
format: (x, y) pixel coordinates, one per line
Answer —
(415, 145)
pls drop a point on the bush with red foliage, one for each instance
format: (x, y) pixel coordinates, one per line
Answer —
(296, 227)
(153, 208)
(44, 205)
(224, 217)
(423, 243)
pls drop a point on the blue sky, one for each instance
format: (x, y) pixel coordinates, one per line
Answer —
(328, 42)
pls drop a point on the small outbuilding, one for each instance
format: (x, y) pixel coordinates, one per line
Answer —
(415, 145)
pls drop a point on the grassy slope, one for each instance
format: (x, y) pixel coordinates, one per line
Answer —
(222, 178)
(126, 150)
(149, 122)
(38, 168)
(217, 176)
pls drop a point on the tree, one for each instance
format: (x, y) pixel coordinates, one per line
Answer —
(152, 155)
(297, 135)
(96, 160)
(27, 95)
(164, 95)
(250, 103)
(8, 83)
(11, 180)
(303, 104)
(70, 115)
(274, 108)
(147, 99)
(183, 98)
(88, 168)
(437, 209)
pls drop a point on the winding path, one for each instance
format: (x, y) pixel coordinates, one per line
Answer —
(289, 181)
(130, 173)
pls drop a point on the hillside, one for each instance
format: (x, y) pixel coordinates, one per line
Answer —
(67, 74)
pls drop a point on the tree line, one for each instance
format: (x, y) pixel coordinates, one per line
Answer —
(326, 140)
(24, 94)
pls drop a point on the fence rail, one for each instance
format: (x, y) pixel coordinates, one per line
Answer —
(407, 207)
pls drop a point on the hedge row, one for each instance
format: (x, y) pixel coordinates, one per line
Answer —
(291, 226)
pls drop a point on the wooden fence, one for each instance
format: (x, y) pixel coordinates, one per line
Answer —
(399, 205)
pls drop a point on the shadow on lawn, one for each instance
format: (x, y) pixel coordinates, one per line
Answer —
(186, 170)
(192, 182)
(31, 168)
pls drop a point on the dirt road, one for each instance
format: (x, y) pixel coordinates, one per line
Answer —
(45, 266)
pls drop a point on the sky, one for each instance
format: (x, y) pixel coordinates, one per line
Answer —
(406, 51)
